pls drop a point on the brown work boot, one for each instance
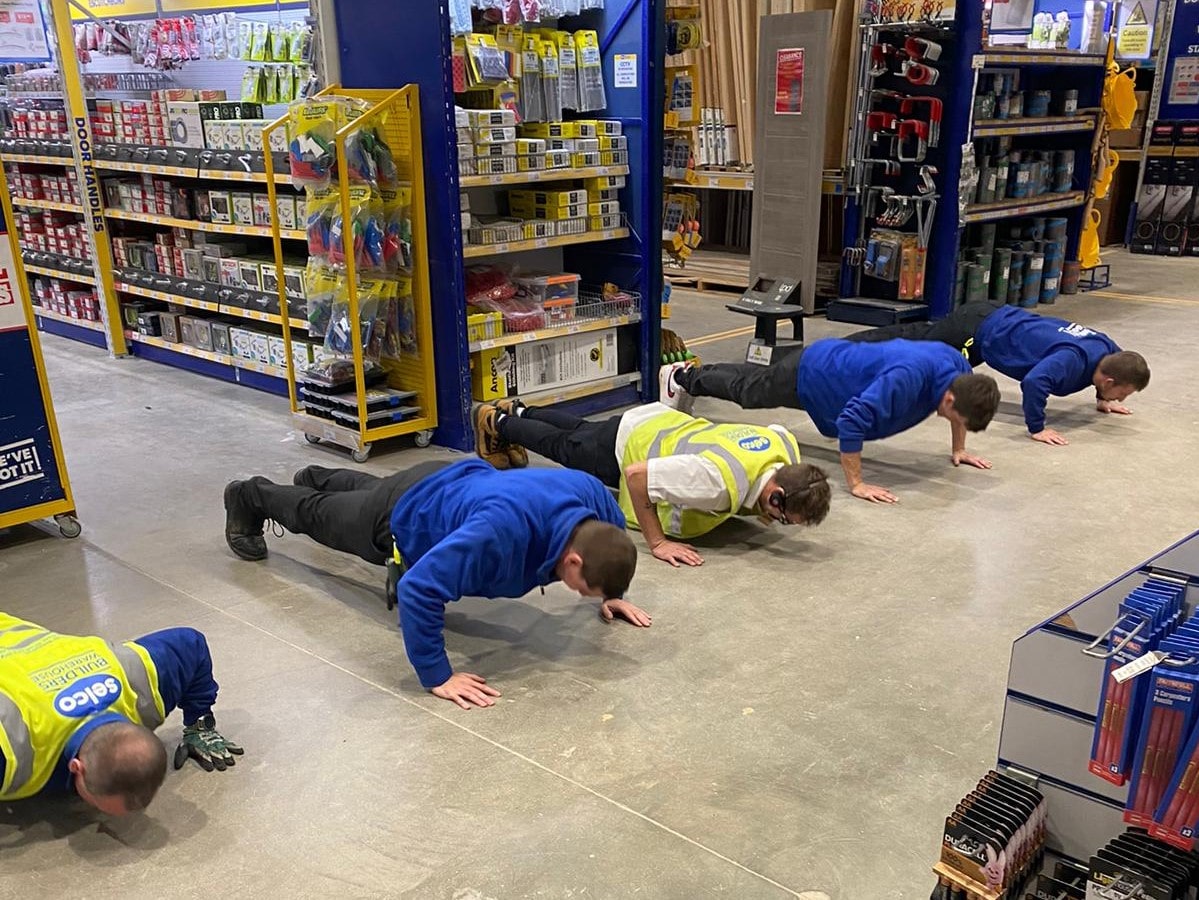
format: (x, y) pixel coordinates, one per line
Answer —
(517, 455)
(487, 440)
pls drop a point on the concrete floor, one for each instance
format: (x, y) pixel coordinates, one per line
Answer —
(805, 710)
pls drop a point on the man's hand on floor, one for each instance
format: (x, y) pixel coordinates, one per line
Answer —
(675, 553)
(203, 743)
(610, 609)
(466, 690)
(962, 458)
(1049, 436)
(1111, 406)
(873, 493)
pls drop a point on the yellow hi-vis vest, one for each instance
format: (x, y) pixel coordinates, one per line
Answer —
(50, 684)
(742, 453)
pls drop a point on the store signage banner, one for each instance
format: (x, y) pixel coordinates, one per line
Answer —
(1138, 19)
(114, 9)
(1180, 99)
(23, 32)
(28, 468)
(788, 82)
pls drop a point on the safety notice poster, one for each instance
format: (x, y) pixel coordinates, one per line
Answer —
(1184, 80)
(22, 32)
(1180, 99)
(788, 82)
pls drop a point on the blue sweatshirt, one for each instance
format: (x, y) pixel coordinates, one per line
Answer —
(1046, 355)
(471, 531)
(184, 681)
(866, 391)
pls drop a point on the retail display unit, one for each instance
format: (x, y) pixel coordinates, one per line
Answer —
(1053, 703)
(607, 355)
(1010, 151)
(350, 398)
(134, 160)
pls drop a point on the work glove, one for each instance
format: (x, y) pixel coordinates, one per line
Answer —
(203, 743)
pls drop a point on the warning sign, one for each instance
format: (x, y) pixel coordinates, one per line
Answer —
(788, 82)
(1134, 36)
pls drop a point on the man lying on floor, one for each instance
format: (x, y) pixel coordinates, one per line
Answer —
(854, 392)
(1046, 355)
(78, 713)
(677, 475)
(460, 529)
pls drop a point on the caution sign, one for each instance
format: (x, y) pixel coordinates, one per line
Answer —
(1134, 36)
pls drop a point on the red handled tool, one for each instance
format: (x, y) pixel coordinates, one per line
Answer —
(922, 48)
(912, 143)
(909, 105)
(919, 73)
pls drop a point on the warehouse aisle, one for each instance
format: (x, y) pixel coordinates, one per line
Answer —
(768, 737)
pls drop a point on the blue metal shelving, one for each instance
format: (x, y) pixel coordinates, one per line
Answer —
(415, 48)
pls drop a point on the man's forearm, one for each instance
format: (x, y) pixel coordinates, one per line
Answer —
(637, 481)
(958, 436)
(851, 464)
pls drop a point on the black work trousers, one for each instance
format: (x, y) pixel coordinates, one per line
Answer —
(568, 440)
(342, 509)
(749, 386)
(957, 330)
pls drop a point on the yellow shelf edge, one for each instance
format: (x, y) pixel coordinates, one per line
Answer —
(196, 225)
(541, 175)
(979, 212)
(544, 334)
(37, 160)
(59, 317)
(47, 204)
(60, 273)
(232, 362)
(473, 250)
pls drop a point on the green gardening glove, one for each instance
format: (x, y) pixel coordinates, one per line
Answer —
(203, 743)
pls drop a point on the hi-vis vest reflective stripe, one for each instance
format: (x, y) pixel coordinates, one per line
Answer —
(742, 453)
(50, 684)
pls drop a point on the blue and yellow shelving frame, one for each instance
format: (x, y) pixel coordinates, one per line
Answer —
(379, 49)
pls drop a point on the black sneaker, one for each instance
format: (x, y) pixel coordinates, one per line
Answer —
(307, 476)
(394, 573)
(243, 524)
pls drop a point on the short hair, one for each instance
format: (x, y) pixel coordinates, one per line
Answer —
(1126, 368)
(123, 760)
(609, 557)
(976, 399)
(806, 493)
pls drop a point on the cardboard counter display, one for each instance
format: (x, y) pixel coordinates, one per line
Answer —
(551, 363)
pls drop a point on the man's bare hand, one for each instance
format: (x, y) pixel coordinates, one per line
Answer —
(1049, 436)
(873, 493)
(676, 553)
(610, 609)
(466, 690)
(962, 458)
(1111, 406)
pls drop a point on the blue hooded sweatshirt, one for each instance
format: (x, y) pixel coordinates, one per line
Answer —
(866, 391)
(471, 531)
(1046, 355)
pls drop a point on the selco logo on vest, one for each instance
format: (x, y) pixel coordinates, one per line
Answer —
(754, 444)
(87, 696)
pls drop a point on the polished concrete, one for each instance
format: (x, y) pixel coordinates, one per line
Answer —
(802, 715)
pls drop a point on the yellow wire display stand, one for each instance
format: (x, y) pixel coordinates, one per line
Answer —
(396, 114)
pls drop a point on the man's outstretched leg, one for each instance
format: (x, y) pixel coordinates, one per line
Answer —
(568, 440)
(353, 521)
(747, 385)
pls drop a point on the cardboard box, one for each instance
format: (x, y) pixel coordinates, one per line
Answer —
(262, 210)
(220, 338)
(260, 344)
(187, 126)
(285, 211)
(268, 277)
(543, 365)
(248, 272)
(193, 267)
(243, 208)
(241, 342)
(293, 283)
(231, 273)
(172, 327)
(221, 203)
(214, 133)
(210, 269)
(277, 351)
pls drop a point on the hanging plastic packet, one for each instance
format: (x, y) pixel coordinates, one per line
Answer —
(287, 83)
(232, 34)
(258, 49)
(487, 64)
(300, 46)
(245, 38)
(531, 10)
(191, 39)
(251, 85)
(460, 17)
(361, 167)
(532, 101)
(550, 84)
(270, 82)
(568, 72)
(591, 72)
(322, 207)
(341, 332)
(311, 150)
(406, 307)
(320, 283)
(397, 241)
(384, 338)
(279, 37)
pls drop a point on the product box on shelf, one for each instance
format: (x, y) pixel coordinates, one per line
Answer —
(276, 351)
(220, 337)
(285, 210)
(147, 322)
(242, 207)
(221, 203)
(544, 365)
(172, 328)
(187, 125)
